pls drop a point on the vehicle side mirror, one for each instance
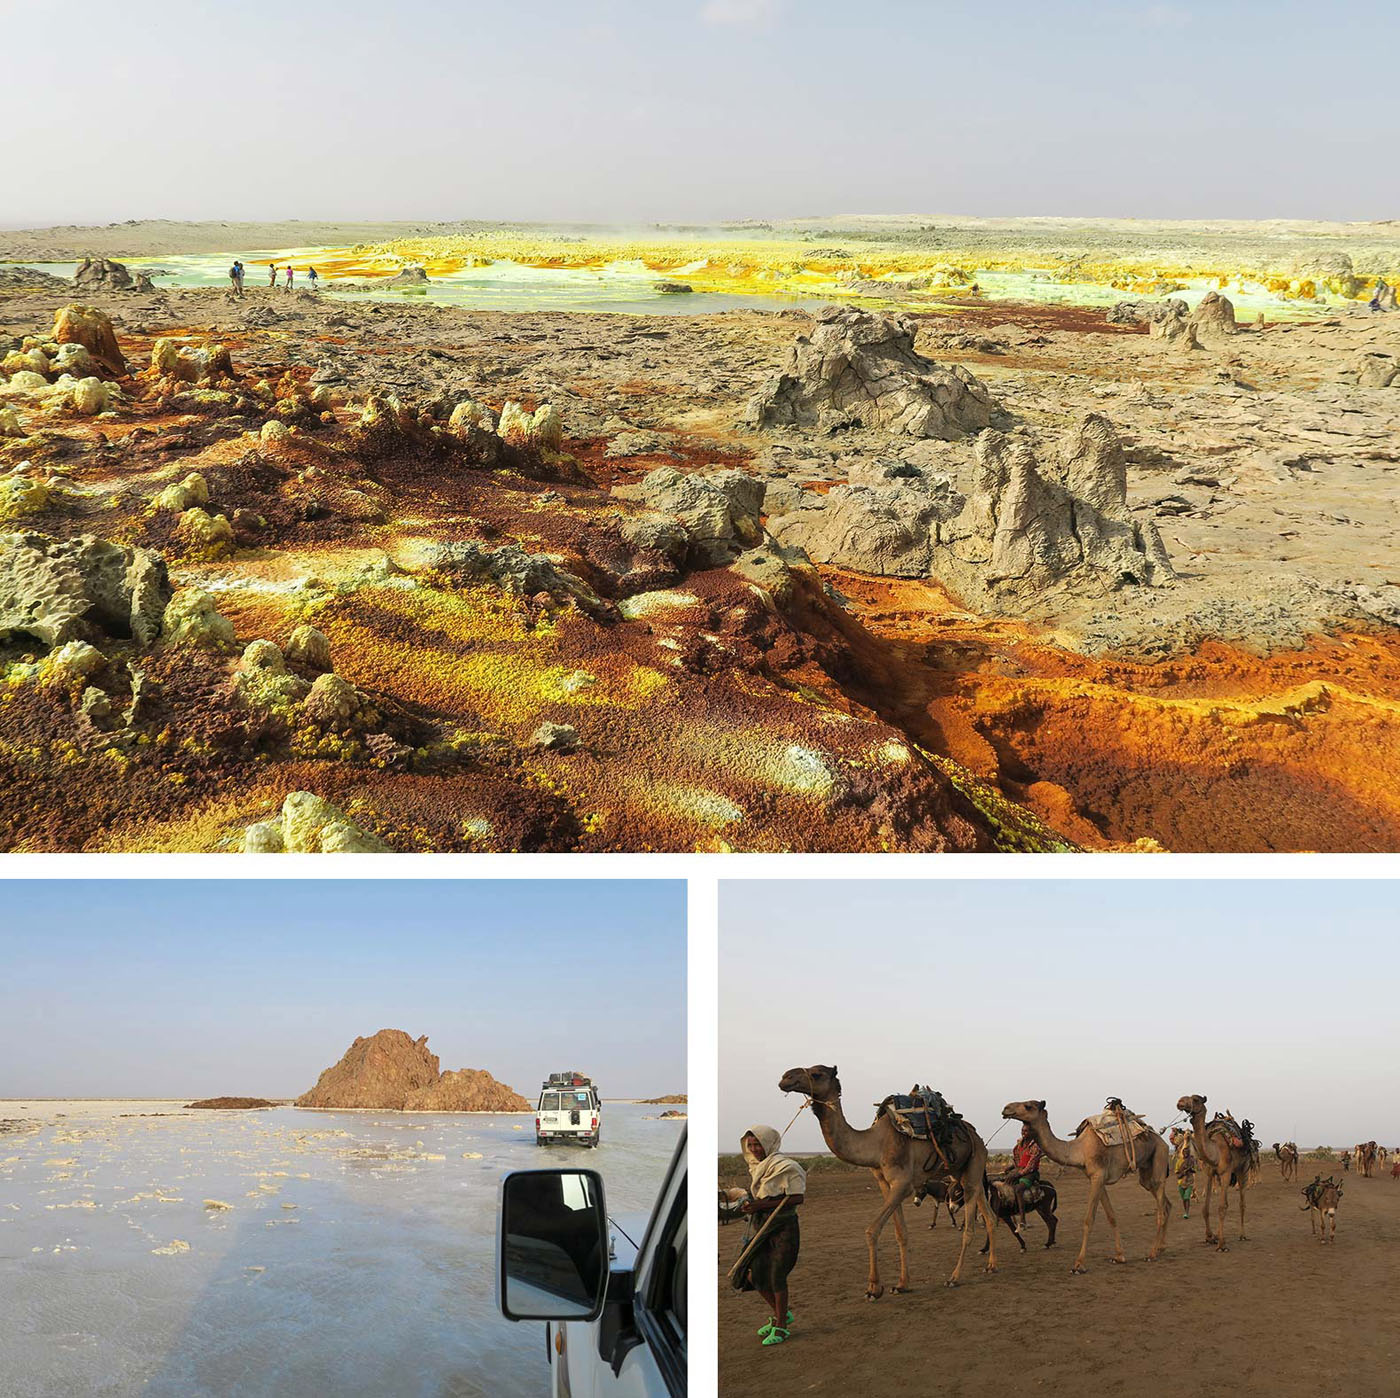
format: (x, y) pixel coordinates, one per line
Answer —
(552, 1245)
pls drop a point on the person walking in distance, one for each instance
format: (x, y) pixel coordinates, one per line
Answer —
(272, 276)
(289, 276)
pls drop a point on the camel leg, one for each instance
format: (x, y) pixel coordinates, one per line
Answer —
(1164, 1213)
(1205, 1205)
(901, 1238)
(1312, 1220)
(1047, 1213)
(1224, 1210)
(894, 1197)
(1095, 1189)
(973, 1207)
(1243, 1239)
(1113, 1223)
(991, 1229)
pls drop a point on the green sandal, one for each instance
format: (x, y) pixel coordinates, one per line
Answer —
(776, 1336)
(773, 1325)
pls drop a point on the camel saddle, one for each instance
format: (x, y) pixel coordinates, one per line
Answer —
(1239, 1134)
(922, 1114)
(1108, 1127)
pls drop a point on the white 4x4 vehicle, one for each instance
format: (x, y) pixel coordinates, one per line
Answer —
(568, 1110)
(615, 1315)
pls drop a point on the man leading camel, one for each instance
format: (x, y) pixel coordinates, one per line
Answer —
(777, 1186)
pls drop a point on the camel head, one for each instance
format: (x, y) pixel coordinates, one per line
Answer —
(818, 1082)
(1191, 1104)
(1031, 1111)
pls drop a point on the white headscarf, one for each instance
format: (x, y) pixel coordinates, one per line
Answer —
(775, 1174)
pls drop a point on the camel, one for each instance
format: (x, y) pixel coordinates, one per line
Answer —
(1287, 1154)
(1224, 1164)
(900, 1164)
(1104, 1166)
(1321, 1198)
(1366, 1158)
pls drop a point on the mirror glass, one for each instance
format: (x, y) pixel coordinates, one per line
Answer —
(554, 1254)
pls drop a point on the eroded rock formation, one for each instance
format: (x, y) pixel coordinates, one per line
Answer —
(391, 1071)
(861, 367)
(1027, 524)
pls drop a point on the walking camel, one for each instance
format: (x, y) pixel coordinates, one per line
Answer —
(899, 1164)
(1224, 1163)
(1287, 1154)
(1104, 1166)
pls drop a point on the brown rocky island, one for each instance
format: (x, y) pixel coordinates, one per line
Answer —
(391, 1071)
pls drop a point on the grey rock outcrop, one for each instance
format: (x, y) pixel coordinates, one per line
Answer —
(861, 367)
(1025, 527)
(883, 521)
(59, 590)
(1170, 321)
(101, 274)
(719, 509)
(1377, 369)
(1028, 525)
(1213, 318)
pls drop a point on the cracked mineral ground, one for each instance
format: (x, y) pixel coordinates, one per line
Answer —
(313, 574)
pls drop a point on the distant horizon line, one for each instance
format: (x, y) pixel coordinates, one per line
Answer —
(561, 221)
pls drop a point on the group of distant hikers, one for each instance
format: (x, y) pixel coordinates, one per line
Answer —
(238, 272)
(777, 1188)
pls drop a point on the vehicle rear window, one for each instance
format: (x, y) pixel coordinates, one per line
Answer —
(549, 1102)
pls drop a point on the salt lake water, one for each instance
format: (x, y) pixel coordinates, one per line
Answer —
(354, 1255)
(630, 288)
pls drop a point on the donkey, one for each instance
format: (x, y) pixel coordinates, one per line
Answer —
(1321, 1200)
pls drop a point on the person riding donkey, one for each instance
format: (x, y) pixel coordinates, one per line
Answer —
(1023, 1174)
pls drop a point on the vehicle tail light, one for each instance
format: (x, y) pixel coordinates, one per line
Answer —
(595, 1124)
(537, 1123)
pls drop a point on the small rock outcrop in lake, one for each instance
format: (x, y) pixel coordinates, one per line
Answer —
(859, 367)
(102, 274)
(407, 277)
(391, 1071)
(229, 1104)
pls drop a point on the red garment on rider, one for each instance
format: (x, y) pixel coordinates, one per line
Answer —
(1027, 1156)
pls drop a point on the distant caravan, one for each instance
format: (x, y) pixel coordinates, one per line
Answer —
(569, 1110)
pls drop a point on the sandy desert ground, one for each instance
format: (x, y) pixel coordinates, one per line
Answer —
(533, 649)
(1277, 1314)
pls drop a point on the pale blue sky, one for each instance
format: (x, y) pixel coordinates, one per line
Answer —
(622, 110)
(207, 988)
(1274, 999)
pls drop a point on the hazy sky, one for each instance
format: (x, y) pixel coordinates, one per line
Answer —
(620, 110)
(202, 988)
(1274, 999)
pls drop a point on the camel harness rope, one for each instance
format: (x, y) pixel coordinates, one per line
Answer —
(1120, 1114)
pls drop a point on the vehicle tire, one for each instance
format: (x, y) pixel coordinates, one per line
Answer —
(539, 1140)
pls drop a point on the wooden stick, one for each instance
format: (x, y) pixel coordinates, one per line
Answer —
(758, 1237)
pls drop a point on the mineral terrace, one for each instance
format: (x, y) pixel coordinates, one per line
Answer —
(300, 574)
